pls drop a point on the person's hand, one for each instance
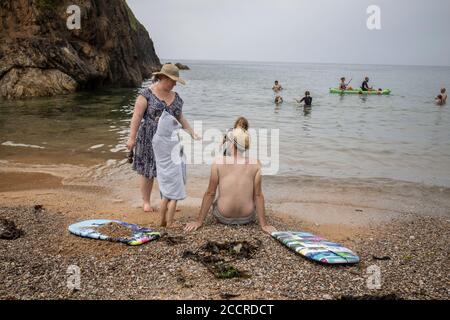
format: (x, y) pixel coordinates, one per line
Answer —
(268, 229)
(195, 136)
(131, 144)
(192, 226)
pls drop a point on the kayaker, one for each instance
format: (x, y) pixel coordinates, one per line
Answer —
(277, 87)
(365, 85)
(345, 86)
(307, 99)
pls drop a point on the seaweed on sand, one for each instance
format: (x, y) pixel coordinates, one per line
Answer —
(216, 257)
(216, 265)
(238, 249)
(9, 231)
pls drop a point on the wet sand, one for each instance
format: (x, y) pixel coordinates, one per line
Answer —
(407, 222)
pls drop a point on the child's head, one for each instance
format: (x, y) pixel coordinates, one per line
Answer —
(307, 93)
(366, 78)
(439, 97)
(343, 79)
(443, 90)
(276, 81)
(241, 122)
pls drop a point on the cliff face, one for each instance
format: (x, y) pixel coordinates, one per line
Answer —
(40, 56)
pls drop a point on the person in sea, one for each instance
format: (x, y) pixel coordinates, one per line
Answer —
(344, 85)
(277, 87)
(442, 98)
(150, 104)
(365, 85)
(237, 178)
(278, 100)
(307, 99)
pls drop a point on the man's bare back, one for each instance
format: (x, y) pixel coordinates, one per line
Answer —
(237, 179)
(236, 187)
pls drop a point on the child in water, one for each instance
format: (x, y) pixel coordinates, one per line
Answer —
(278, 100)
(439, 100)
(307, 99)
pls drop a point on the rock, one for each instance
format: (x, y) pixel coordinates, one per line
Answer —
(40, 56)
(227, 295)
(32, 82)
(182, 66)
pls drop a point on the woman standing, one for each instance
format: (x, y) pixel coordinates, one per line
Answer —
(149, 106)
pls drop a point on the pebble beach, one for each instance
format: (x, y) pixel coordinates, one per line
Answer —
(411, 254)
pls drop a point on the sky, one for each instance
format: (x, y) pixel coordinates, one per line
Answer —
(412, 32)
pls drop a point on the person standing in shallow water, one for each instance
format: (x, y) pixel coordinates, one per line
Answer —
(150, 104)
(277, 87)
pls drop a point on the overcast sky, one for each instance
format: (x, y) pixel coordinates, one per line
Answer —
(412, 32)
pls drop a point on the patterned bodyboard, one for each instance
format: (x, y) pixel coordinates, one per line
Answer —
(316, 248)
(88, 229)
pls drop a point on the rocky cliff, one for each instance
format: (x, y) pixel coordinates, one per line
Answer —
(40, 56)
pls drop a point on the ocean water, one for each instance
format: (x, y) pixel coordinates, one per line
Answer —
(404, 136)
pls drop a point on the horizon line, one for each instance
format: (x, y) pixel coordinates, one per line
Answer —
(300, 62)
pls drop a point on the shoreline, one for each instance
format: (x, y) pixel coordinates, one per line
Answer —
(351, 201)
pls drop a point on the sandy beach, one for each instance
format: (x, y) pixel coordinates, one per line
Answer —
(400, 227)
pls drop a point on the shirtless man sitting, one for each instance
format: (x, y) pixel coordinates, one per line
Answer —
(238, 179)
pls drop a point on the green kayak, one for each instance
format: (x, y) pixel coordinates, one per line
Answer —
(359, 91)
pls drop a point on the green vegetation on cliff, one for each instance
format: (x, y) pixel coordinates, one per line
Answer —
(134, 23)
(47, 4)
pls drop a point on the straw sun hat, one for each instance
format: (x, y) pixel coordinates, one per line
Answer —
(171, 71)
(240, 138)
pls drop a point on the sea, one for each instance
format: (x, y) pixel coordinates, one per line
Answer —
(402, 136)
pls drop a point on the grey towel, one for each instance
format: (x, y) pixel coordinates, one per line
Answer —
(169, 157)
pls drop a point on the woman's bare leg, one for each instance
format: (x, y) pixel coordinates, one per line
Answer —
(171, 212)
(146, 191)
(163, 211)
